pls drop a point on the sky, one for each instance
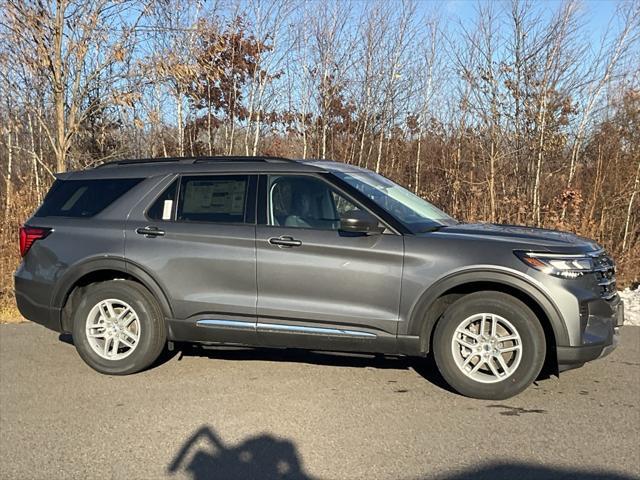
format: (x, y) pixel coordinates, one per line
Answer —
(596, 13)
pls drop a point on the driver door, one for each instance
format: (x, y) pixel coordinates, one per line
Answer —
(320, 287)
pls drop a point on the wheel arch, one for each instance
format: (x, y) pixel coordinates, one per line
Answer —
(64, 297)
(435, 300)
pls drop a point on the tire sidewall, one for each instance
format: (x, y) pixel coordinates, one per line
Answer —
(147, 312)
(524, 321)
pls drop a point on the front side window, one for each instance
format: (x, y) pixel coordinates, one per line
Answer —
(215, 199)
(301, 201)
(413, 212)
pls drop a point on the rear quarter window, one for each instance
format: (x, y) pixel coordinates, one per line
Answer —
(83, 198)
(162, 208)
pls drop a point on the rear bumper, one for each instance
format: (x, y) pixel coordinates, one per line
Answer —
(33, 303)
(608, 327)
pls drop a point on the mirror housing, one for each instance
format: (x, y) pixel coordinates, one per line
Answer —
(357, 221)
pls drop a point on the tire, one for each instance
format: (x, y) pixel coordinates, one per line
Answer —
(96, 323)
(493, 379)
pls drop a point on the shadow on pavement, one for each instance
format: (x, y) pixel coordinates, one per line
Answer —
(204, 456)
(524, 471)
(66, 338)
(164, 357)
(425, 367)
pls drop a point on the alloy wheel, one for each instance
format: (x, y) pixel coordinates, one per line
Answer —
(113, 329)
(486, 347)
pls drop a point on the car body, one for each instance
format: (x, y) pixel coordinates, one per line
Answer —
(257, 251)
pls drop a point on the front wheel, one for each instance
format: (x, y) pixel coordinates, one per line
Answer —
(118, 327)
(489, 345)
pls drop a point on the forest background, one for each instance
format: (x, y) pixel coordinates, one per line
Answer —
(516, 112)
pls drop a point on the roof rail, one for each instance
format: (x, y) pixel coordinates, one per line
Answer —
(241, 158)
(135, 161)
(138, 161)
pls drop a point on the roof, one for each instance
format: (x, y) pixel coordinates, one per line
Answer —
(148, 167)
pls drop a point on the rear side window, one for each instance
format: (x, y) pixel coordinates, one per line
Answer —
(83, 198)
(216, 199)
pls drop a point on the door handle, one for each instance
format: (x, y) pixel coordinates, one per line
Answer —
(285, 241)
(150, 231)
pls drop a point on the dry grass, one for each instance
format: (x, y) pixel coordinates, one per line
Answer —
(22, 206)
(10, 314)
(19, 209)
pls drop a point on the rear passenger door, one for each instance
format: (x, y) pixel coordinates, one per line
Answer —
(195, 234)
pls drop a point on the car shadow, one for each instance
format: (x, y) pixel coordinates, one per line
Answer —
(66, 338)
(164, 357)
(425, 367)
(526, 471)
(205, 456)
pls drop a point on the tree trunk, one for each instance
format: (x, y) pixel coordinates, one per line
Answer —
(180, 124)
(364, 131)
(542, 119)
(209, 120)
(8, 193)
(304, 137)
(58, 87)
(34, 157)
(256, 137)
(416, 187)
(379, 159)
(630, 208)
(492, 182)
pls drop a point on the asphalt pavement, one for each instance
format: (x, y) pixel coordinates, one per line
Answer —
(244, 413)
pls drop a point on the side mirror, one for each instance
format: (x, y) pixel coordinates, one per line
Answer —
(357, 221)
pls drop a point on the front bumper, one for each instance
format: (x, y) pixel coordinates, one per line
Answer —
(607, 327)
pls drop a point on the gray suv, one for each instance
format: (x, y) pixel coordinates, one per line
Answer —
(262, 251)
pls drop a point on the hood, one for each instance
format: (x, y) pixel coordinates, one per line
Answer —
(528, 238)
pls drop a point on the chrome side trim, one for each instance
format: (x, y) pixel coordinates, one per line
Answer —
(317, 330)
(288, 328)
(225, 323)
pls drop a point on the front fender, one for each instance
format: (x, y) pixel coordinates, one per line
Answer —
(485, 277)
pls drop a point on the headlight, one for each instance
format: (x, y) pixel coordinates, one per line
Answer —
(558, 264)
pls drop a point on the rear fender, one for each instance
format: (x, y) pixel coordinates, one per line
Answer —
(66, 283)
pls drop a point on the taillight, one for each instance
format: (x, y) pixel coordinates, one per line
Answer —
(28, 235)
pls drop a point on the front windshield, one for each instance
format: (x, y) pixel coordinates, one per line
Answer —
(413, 212)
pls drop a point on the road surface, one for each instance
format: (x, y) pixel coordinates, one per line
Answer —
(225, 414)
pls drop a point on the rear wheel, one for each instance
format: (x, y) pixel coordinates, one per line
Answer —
(489, 345)
(118, 327)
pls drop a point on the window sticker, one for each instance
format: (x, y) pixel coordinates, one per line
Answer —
(215, 197)
(167, 209)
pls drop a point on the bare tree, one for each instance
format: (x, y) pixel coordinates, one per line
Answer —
(516, 113)
(73, 45)
(429, 66)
